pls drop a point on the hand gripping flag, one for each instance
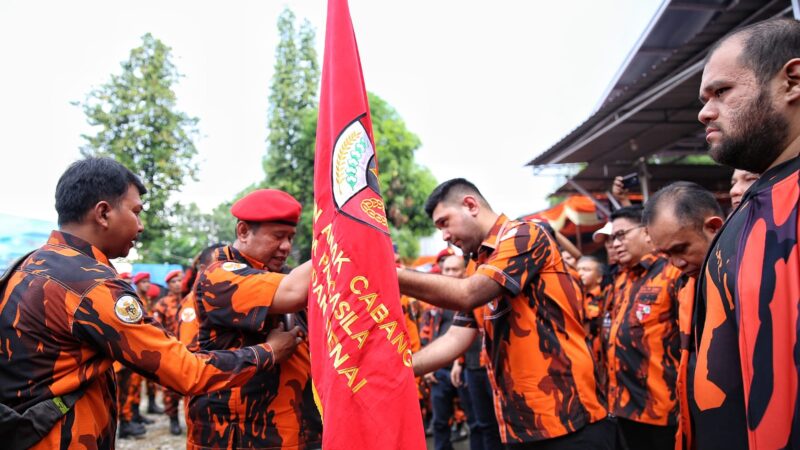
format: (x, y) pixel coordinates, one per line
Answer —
(360, 349)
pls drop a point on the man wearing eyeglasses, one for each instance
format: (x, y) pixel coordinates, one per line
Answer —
(643, 347)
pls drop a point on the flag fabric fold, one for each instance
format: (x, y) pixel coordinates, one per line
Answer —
(360, 349)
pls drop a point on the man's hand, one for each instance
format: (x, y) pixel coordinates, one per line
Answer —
(455, 374)
(283, 342)
(619, 192)
(430, 377)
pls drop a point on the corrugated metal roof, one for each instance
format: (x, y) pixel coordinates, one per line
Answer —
(652, 103)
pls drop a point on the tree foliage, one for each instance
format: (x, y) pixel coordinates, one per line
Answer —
(191, 231)
(289, 162)
(139, 126)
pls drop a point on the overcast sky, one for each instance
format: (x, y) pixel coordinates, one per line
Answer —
(485, 85)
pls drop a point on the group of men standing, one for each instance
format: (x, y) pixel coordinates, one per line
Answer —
(695, 336)
(692, 342)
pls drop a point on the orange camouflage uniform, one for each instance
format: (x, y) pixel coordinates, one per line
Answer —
(165, 312)
(275, 410)
(683, 439)
(642, 353)
(544, 384)
(65, 317)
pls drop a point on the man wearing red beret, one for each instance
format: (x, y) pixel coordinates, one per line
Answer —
(236, 304)
(165, 312)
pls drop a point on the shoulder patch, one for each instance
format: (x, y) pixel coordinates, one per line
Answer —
(188, 315)
(233, 266)
(128, 309)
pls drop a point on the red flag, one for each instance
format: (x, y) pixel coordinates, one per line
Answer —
(360, 349)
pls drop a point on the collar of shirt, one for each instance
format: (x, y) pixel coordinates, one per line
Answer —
(489, 244)
(772, 177)
(240, 256)
(63, 239)
(644, 264)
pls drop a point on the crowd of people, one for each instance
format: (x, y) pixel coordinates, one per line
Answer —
(682, 333)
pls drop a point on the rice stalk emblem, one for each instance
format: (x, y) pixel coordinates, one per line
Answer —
(349, 158)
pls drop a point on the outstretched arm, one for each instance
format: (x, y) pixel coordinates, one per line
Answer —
(444, 349)
(463, 294)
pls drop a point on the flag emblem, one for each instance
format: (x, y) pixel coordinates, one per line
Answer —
(356, 191)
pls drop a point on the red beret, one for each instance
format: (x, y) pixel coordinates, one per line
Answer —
(153, 292)
(267, 205)
(140, 276)
(173, 274)
(125, 275)
(444, 253)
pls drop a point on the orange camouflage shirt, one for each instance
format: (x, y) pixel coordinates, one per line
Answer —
(541, 368)
(187, 326)
(165, 311)
(65, 317)
(683, 439)
(275, 410)
(642, 352)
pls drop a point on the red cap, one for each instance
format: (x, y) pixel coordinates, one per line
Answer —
(140, 276)
(172, 275)
(153, 292)
(444, 253)
(125, 275)
(267, 205)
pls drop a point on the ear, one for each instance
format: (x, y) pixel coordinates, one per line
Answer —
(791, 75)
(712, 224)
(242, 229)
(472, 204)
(100, 213)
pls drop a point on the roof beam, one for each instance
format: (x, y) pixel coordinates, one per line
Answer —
(687, 5)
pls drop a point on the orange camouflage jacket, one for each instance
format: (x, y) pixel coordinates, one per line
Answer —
(642, 353)
(65, 317)
(541, 368)
(275, 410)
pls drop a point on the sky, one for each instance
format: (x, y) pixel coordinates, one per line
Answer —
(486, 86)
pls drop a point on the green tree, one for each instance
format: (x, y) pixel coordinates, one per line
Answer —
(140, 127)
(289, 161)
(190, 232)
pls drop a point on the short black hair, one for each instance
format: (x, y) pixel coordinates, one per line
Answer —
(445, 191)
(690, 203)
(89, 181)
(766, 46)
(207, 254)
(632, 213)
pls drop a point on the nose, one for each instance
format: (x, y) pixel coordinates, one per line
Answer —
(286, 245)
(446, 235)
(139, 225)
(707, 114)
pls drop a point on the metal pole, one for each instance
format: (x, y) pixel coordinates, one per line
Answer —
(644, 180)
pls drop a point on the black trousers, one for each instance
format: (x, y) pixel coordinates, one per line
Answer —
(637, 435)
(600, 435)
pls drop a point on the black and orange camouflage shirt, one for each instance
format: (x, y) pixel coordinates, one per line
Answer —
(165, 311)
(187, 326)
(65, 317)
(642, 353)
(744, 374)
(541, 367)
(275, 410)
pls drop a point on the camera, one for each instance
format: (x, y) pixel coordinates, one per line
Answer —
(630, 181)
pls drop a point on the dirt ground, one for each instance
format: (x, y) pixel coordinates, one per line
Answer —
(159, 438)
